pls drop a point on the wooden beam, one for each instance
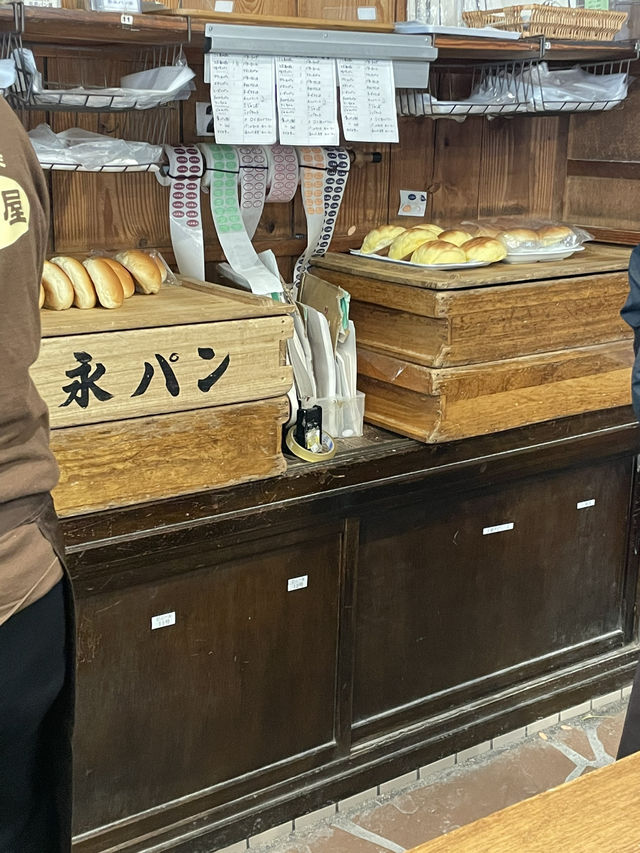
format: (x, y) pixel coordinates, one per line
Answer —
(628, 170)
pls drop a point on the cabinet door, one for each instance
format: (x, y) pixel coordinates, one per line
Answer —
(457, 590)
(243, 678)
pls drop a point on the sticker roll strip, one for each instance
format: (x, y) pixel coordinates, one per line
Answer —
(331, 177)
(221, 179)
(335, 183)
(284, 173)
(254, 170)
(313, 163)
(184, 177)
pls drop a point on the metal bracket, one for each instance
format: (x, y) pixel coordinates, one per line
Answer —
(410, 55)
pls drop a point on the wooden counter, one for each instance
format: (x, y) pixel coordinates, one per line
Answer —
(593, 814)
(414, 633)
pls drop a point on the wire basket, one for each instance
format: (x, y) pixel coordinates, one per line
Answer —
(54, 96)
(483, 89)
(556, 22)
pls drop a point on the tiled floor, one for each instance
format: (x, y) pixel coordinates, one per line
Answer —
(423, 805)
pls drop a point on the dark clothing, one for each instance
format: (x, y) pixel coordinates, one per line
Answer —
(630, 740)
(32, 674)
(631, 314)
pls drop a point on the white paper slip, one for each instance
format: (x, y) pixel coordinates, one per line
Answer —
(307, 101)
(368, 100)
(164, 620)
(297, 583)
(498, 528)
(586, 504)
(243, 98)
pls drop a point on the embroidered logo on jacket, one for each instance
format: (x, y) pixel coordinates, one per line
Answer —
(14, 211)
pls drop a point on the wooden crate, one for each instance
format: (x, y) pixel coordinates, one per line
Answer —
(454, 317)
(127, 462)
(171, 343)
(451, 354)
(170, 394)
(444, 404)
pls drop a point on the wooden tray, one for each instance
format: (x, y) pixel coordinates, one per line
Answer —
(435, 405)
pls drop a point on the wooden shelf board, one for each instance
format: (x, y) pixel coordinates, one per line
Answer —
(76, 26)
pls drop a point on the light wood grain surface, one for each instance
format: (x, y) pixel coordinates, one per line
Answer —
(131, 461)
(595, 258)
(597, 813)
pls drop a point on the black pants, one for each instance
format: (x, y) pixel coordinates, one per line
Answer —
(32, 674)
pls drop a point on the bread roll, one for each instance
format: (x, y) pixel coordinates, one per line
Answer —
(144, 270)
(403, 246)
(161, 266)
(429, 227)
(484, 249)
(483, 230)
(438, 252)
(41, 299)
(127, 282)
(106, 282)
(519, 239)
(554, 235)
(380, 238)
(455, 236)
(58, 290)
(84, 293)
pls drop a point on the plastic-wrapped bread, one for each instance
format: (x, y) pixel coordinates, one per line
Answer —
(106, 282)
(485, 249)
(58, 290)
(41, 299)
(556, 235)
(438, 252)
(84, 293)
(380, 238)
(519, 239)
(143, 268)
(405, 245)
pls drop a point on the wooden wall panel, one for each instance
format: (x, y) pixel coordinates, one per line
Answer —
(458, 154)
(603, 176)
(347, 10)
(522, 167)
(411, 164)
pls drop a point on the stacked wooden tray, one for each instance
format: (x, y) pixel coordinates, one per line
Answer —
(170, 394)
(447, 355)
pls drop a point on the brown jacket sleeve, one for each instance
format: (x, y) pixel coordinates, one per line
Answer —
(26, 465)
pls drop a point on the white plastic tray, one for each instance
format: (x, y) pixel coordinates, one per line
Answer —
(540, 255)
(469, 265)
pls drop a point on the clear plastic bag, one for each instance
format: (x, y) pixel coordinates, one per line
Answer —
(527, 235)
(91, 151)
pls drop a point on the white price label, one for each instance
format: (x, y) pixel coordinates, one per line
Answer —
(367, 13)
(498, 528)
(412, 203)
(585, 504)
(163, 620)
(223, 6)
(297, 583)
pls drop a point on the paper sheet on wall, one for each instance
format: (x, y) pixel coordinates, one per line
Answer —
(243, 97)
(368, 100)
(307, 101)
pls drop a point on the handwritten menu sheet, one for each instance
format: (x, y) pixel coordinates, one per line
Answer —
(243, 99)
(368, 100)
(307, 101)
